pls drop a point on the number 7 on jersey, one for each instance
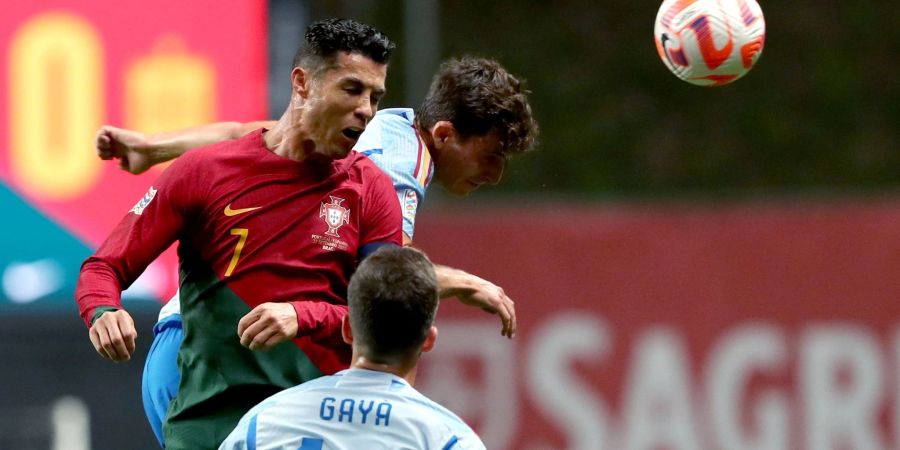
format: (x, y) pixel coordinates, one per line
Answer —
(242, 239)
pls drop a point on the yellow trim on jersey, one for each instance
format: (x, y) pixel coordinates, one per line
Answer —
(424, 166)
(424, 160)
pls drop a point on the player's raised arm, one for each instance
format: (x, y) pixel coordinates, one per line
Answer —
(138, 151)
(475, 291)
(469, 289)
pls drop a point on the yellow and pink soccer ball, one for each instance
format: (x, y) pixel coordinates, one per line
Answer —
(709, 42)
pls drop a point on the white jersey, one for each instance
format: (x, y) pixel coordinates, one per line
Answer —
(393, 144)
(351, 410)
(172, 307)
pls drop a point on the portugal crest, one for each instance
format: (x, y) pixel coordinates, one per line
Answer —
(334, 215)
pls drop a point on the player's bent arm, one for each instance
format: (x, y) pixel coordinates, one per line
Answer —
(142, 235)
(121, 259)
(170, 145)
(475, 291)
(270, 324)
(320, 320)
(110, 329)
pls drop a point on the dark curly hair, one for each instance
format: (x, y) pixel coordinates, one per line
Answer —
(478, 95)
(326, 38)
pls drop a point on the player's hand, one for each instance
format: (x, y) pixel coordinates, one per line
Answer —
(113, 335)
(481, 293)
(491, 298)
(129, 147)
(268, 325)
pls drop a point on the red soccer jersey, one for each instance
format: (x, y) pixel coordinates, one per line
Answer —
(253, 227)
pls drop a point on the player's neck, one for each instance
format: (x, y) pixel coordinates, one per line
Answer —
(402, 370)
(428, 139)
(287, 140)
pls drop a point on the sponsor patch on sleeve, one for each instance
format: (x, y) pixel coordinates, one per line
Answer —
(148, 197)
(410, 204)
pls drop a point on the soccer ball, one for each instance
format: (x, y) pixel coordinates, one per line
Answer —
(709, 42)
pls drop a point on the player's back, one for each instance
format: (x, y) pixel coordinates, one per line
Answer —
(353, 409)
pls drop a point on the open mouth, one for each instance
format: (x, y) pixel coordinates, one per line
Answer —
(352, 133)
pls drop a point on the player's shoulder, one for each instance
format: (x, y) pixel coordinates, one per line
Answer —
(323, 382)
(394, 117)
(392, 124)
(397, 148)
(468, 441)
(244, 146)
(365, 168)
(434, 411)
(318, 384)
(385, 130)
(223, 162)
(290, 397)
(219, 159)
(445, 426)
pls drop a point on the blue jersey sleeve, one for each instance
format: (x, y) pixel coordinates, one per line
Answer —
(393, 144)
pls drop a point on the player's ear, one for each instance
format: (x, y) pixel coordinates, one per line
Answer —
(442, 131)
(300, 81)
(430, 340)
(346, 332)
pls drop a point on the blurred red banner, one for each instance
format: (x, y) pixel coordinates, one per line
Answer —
(764, 326)
(70, 66)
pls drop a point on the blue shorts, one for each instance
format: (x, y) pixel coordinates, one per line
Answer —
(159, 383)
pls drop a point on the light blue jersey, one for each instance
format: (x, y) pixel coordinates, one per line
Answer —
(393, 144)
(351, 410)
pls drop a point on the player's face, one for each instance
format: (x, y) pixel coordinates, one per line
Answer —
(340, 103)
(468, 162)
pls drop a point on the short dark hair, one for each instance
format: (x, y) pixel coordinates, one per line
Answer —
(326, 38)
(478, 96)
(392, 301)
